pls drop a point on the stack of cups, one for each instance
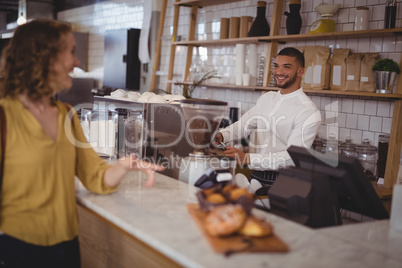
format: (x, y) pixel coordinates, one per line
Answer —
(240, 59)
(252, 63)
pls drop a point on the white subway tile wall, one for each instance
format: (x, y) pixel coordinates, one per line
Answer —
(96, 19)
(370, 108)
(357, 117)
(363, 122)
(351, 121)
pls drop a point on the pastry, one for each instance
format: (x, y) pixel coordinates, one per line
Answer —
(209, 191)
(256, 227)
(216, 198)
(229, 188)
(225, 220)
(237, 193)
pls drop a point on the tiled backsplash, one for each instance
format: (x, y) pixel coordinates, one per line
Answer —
(96, 19)
(358, 117)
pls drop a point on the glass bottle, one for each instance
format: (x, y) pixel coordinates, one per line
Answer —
(293, 20)
(383, 142)
(390, 14)
(260, 25)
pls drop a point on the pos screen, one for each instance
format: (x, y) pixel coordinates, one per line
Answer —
(319, 186)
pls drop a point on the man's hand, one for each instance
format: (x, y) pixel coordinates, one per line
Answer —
(218, 142)
(241, 157)
(219, 137)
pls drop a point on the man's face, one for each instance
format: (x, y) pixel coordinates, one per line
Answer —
(286, 71)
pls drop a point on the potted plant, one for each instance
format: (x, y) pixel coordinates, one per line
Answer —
(385, 73)
(198, 79)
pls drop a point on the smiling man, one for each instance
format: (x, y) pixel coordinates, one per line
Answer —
(281, 119)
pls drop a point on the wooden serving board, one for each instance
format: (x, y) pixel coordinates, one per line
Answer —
(236, 243)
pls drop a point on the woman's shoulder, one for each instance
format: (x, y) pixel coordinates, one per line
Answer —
(63, 105)
(8, 102)
(66, 109)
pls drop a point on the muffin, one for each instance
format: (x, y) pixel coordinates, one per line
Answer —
(256, 227)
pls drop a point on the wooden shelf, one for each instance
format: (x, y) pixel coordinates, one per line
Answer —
(228, 86)
(295, 37)
(219, 42)
(203, 3)
(317, 91)
(354, 93)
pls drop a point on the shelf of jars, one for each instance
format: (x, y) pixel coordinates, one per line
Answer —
(295, 37)
(317, 91)
(203, 3)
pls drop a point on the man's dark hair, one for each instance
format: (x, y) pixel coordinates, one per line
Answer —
(293, 52)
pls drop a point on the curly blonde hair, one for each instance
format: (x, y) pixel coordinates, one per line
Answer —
(26, 63)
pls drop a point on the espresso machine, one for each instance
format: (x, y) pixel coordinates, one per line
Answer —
(202, 118)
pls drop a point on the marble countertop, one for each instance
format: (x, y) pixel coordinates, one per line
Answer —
(158, 216)
(375, 236)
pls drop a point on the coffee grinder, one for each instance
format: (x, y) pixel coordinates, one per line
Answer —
(202, 118)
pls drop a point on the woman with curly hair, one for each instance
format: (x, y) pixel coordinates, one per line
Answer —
(38, 216)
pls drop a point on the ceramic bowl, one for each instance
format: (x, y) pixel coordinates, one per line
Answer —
(327, 10)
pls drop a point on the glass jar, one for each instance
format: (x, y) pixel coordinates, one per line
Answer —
(324, 145)
(362, 18)
(347, 148)
(332, 143)
(134, 134)
(85, 119)
(318, 145)
(367, 155)
(102, 132)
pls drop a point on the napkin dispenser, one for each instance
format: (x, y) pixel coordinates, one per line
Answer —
(213, 177)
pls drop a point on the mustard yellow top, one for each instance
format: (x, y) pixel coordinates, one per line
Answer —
(37, 199)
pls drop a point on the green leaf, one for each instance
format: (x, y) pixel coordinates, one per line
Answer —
(387, 65)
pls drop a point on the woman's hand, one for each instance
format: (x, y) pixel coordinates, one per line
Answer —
(146, 167)
(115, 174)
(241, 157)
